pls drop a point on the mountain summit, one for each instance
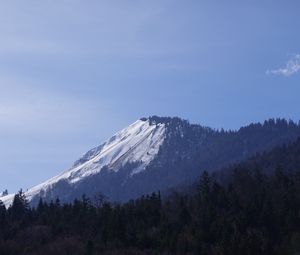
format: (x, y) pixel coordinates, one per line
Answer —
(138, 143)
(158, 153)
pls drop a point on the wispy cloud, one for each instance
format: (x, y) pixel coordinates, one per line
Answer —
(29, 108)
(292, 67)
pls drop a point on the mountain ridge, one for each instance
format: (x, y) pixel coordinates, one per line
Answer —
(156, 153)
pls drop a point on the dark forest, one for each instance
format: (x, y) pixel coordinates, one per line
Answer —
(256, 212)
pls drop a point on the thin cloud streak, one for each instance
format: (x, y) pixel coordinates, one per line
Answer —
(28, 108)
(292, 67)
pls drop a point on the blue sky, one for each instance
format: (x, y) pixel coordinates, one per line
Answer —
(73, 72)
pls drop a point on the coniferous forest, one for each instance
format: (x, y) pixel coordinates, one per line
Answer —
(257, 211)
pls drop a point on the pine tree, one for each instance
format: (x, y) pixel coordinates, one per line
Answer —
(5, 193)
(19, 206)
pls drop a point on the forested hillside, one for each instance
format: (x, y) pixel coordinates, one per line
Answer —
(256, 212)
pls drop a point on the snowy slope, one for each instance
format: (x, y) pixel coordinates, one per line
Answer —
(138, 143)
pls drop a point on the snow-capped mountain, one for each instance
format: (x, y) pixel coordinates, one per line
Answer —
(139, 143)
(156, 154)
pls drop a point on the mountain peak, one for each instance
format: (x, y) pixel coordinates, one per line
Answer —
(138, 144)
(154, 120)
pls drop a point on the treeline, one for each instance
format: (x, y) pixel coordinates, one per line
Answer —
(253, 214)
